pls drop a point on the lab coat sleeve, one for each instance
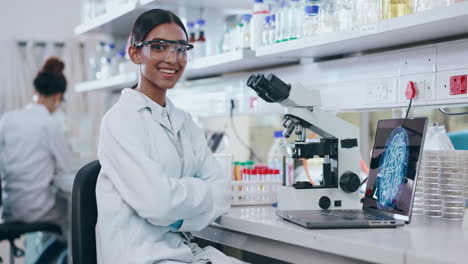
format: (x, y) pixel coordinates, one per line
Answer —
(141, 181)
(210, 171)
(61, 151)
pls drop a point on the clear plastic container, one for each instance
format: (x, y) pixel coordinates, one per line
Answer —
(277, 153)
(328, 18)
(311, 18)
(94, 68)
(345, 12)
(272, 29)
(105, 61)
(244, 32)
(227, 43)
(117, 61)
(106, 68)
(282, 22)
(423, 5)
(396, 8)
(295, 19)
(366, 12)
(266, 31)
(260, 11)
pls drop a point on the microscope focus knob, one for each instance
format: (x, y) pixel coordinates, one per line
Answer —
(349, 182)
(324, 202)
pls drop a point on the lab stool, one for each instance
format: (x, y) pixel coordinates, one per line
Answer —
(14, 230)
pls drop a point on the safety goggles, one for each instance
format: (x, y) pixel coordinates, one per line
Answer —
(160, 49)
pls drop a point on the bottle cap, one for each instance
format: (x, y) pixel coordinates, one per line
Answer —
(112, 45)
(278, 134)
(267, 19)
(276, 172)
(201, 22)
(246, 17)
(314, 9)
(249, 162)
(258, 1)
(122, 53)
(190, 24)
(273, 18)
(254, 171)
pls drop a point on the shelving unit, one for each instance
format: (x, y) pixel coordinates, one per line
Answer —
(242, 4)
(416, 28)
(118, 22)
(240, 60)
(114, 82)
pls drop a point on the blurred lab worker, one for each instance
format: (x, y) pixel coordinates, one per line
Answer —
(35, 160)
(159, 181)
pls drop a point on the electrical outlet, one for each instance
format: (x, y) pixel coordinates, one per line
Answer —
(377, 92)
(452, 84)
(458, 85)
(424, 85)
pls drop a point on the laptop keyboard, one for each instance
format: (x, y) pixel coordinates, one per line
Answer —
(355, 214)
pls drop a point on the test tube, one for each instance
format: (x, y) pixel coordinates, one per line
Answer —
(254, 184)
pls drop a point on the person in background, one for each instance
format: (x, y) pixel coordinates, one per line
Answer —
(35, 159)
(159, 181)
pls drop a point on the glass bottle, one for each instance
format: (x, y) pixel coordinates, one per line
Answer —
(244, 36)
(328, 18)
(200, 43)
(295, 19)
(271, 34)
(311, 18)
(266, 31)
(396, 8)
(345, 10)
(367, 12)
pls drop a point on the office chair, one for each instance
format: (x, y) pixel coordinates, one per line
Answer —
(84, 214)
(13, 230)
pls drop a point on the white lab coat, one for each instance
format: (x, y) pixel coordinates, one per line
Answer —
(35, 163)
(146, 183)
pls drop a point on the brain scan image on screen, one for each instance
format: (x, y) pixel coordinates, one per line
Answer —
(392, 168)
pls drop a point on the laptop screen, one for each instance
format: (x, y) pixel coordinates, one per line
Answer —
(394, 164)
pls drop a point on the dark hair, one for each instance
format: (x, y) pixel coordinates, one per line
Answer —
(151, 19)
(50, 79)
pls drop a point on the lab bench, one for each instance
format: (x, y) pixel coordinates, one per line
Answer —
(257, 229)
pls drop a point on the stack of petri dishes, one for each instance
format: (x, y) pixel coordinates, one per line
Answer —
(451, 184)
(418, 203)
(432, 197)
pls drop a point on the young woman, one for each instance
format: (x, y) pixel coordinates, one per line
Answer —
(35, 159)
(159, 179)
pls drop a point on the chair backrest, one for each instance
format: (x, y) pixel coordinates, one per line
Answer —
(84, 214)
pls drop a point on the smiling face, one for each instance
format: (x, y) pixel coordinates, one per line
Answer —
(165, 73)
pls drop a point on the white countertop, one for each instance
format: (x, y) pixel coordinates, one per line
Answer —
(424, 240)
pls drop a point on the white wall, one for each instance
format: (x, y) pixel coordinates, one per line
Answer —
(33, 20)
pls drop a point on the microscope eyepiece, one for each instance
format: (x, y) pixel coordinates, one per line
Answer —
(269, 88)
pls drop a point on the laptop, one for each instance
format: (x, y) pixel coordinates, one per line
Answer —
(391, 182)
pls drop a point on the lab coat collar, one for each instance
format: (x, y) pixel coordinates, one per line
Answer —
(38, 107)
(139, 101)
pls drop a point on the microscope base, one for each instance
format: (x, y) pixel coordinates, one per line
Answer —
(290, 198)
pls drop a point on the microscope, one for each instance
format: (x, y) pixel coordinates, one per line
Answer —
(338, 145)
